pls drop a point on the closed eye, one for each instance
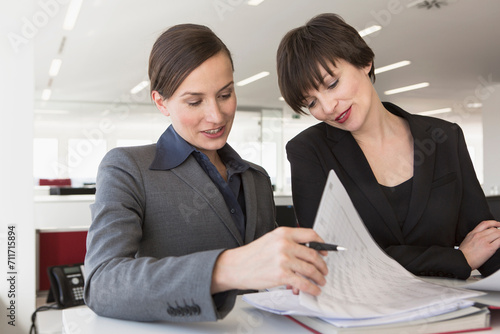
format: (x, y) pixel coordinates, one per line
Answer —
(333, 85)
(226, 96)
(194, 104)
(311, 104)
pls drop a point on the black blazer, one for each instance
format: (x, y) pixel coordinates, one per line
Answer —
(446, 202)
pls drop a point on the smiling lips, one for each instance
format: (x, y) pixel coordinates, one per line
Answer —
(344, 116)
(215, 132)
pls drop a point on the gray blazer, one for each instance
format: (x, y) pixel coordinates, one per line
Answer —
(156, 234)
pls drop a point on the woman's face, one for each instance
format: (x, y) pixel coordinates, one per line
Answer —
(344, 99)
(202, 108)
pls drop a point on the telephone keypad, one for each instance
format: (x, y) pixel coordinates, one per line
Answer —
(78, 292)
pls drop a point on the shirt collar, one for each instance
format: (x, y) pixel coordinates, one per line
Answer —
(172, 150)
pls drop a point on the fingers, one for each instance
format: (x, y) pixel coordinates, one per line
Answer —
(303, 284)
(481, 243)
(308, 256)
(275, 259)
(303, 268)
(298, 234)
(488, 231)
(486, 224)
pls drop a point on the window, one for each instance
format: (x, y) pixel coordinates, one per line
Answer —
(45, 156)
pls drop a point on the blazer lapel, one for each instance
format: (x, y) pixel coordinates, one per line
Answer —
(357, 168)
(194, 176)
(424, 157)
(251, 206)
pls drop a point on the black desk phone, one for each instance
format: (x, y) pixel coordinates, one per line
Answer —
(66, 285)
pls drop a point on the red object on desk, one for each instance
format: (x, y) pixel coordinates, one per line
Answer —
(303, 325)
(55, 182)
(59, 248)
(312, 330)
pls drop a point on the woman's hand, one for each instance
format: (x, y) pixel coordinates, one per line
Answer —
(275, 259)
(481, 243)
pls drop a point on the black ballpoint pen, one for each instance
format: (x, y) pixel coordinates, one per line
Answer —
(319, 246)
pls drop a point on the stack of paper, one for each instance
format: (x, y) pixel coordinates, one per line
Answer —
(363, 283)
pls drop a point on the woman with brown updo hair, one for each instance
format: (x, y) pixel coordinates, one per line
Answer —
(181, 227)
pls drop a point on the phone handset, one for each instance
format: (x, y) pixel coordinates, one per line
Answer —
(66, 284)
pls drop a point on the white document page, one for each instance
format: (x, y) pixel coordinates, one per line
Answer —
(490, 283)
(362, 282)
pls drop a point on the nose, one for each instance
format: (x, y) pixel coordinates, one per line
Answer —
(328, 103)
(213, 113)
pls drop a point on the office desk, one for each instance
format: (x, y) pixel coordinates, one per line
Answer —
(243, 319)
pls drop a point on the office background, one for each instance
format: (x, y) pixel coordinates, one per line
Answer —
(55, 125)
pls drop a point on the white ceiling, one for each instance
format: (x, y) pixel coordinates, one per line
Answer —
(455, 48)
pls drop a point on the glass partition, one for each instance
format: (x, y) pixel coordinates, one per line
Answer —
(71, 138)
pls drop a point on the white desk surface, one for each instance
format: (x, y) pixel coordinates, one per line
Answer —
(242, 319)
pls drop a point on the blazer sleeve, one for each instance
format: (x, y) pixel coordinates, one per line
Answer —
(474, 208)
(308, 181)
(121, 285)
(440, 260)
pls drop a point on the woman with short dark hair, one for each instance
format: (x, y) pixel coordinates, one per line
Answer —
(410, 177)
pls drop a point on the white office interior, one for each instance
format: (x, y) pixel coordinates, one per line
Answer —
(59, 125)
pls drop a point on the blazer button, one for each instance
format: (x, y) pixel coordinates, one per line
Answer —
(172, 311)
(185, 311)
(192, 309)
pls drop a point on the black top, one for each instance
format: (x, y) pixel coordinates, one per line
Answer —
(399, 198)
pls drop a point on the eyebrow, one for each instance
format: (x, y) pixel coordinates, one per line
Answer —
(198, 94)
(322, 82)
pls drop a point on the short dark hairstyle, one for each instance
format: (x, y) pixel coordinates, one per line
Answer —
(321, 41)
(177, 52)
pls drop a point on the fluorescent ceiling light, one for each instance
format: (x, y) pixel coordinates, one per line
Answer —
(252, 78)
(55, 66)
(369, 30)
(72, 14)
(46, 94)
(281, 98)
(435, 112)
(414, 3)
(406, 88)
(474, 105)
(139, 87)
(255, 2)
(392, 66)
(51, 112)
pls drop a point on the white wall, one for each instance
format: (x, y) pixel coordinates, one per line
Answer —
(491, 132)
(16, 145)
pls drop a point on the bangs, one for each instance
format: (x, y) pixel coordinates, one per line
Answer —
(299, 66)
